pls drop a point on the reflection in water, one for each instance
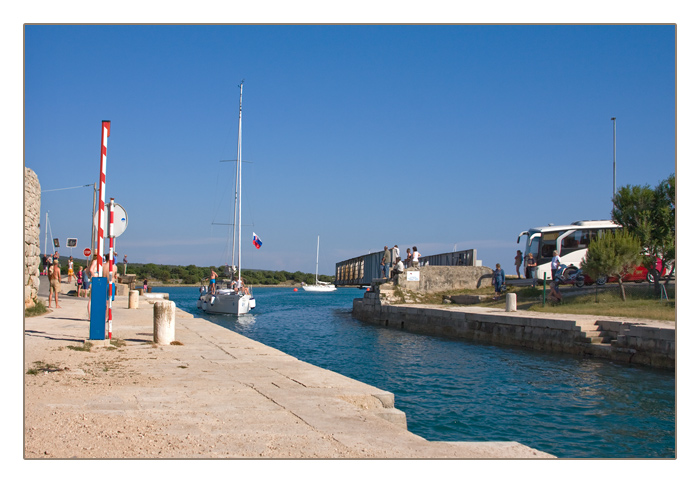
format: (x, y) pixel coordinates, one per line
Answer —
(453, 390)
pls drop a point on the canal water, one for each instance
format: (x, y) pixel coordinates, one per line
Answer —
(454, 390)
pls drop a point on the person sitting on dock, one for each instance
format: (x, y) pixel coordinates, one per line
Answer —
(554, 293)
(397, 270)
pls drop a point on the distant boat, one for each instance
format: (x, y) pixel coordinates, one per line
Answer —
(231, 301)
(319, 286)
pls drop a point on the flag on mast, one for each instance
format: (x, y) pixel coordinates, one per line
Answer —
(256, 241)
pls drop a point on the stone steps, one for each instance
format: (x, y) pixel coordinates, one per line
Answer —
(591, 333)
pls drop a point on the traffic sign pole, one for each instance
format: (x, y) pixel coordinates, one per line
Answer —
(111, 263)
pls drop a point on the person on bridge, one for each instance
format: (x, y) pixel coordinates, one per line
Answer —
(386, 263)
(415, 257)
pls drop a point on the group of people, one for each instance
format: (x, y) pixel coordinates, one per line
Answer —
(392, 265)
(530, 264)
(499, 279)
(238, 285)
(82, 276)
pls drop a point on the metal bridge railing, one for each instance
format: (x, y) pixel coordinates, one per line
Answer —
(361, 270)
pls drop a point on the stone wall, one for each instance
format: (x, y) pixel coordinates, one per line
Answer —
(649, 346)
(32, 232)
(442, 279)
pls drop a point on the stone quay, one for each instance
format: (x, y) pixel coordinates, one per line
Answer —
(640, 341)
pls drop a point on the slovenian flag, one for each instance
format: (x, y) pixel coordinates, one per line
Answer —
(256, 241)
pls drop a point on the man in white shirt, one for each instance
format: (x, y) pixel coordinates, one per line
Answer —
(398, 269)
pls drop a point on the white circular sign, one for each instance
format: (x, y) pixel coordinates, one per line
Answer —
(121, 220)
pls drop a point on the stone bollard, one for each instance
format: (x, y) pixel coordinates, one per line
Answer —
(511, 302)
(133, 299)
(163, 322)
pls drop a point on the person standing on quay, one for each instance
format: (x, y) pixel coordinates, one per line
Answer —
(530, 269)
(518, 262)
(79, 280)
(555, 263)
(55, 282)
(86, 282)
(407, 262)
(70, 269)
(498, 280)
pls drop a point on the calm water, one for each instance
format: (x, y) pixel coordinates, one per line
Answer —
(453, 390)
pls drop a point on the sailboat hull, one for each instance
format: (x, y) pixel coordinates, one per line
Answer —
(226, 303)
(319, 288)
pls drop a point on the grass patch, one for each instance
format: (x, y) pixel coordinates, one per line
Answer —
(38, 309)
(117, 343)
(641, 301)
(81, 348)
(611, 305)
(40, 366)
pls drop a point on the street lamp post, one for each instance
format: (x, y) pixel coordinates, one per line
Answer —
(614, 155)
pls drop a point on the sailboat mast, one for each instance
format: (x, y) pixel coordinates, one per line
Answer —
(318, 245)
(240, 175)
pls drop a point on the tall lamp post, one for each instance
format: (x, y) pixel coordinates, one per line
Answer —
(614, 155)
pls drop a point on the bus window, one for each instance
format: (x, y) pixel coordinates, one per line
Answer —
(549, 244)
(577, 240)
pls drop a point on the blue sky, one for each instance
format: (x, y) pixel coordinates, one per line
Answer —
(429, 135)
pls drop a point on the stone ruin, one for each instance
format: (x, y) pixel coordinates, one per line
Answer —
(32, 237)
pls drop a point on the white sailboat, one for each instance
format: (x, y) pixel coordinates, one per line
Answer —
(234, 300)
(319, 286)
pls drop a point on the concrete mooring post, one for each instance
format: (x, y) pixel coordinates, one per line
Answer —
(133, 299)
(511, 302)
(163, 322)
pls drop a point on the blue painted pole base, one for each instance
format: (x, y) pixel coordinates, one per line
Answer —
(98, 308)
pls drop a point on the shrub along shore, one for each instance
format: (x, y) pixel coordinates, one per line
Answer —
(191, 275)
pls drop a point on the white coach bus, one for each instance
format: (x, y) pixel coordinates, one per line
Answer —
(570, 241)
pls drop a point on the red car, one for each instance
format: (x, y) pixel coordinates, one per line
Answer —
(639, 275)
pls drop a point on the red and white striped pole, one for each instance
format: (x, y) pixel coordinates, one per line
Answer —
(101, 210)
(111, 262)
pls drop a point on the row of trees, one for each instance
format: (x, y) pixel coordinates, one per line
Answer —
(648, 218)
(192, 274)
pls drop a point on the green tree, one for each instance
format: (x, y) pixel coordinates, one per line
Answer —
(162, 273)
(650, 215)
(614, 254)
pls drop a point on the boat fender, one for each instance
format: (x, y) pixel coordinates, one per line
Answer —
(212, 301)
